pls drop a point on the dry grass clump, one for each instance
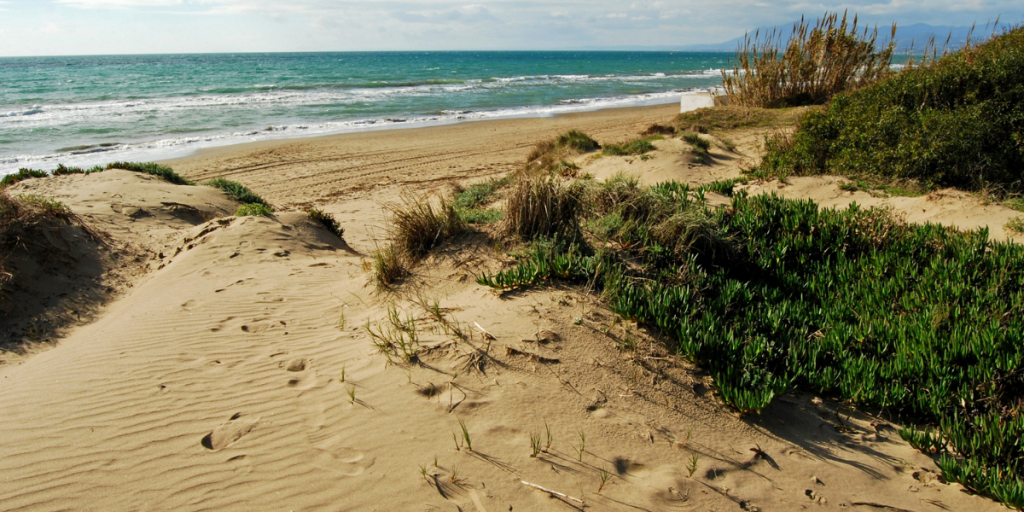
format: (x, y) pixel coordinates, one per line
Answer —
(658, 129)
(419, 224)
(543, 206)
(388, 266)
(416, 225)
(818, 62)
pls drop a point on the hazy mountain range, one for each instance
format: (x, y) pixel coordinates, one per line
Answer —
(907, 37)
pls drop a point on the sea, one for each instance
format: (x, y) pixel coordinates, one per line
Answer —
(84, 111)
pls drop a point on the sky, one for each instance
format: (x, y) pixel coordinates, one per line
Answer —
(92, 27)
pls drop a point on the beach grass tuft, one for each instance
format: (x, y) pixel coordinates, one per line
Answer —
(254, 210)
(542, 206)
(416, 225)
(160, 171)
(326, 220)
(236, 191)
(631, 148)
(20, 219)
(1016, 225)
(550, 156)
(577, 141)
(700, 146)
(387, 265)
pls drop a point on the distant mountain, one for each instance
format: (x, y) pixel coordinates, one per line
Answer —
(910, 36)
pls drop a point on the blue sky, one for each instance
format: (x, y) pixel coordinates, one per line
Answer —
(74, 27)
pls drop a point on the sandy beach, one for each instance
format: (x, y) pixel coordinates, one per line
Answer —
(227, 364)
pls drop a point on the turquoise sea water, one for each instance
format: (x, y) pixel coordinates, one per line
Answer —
(89, 110)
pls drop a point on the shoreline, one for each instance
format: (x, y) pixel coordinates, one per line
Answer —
(314, 169)
(169, 149)
(583, 115)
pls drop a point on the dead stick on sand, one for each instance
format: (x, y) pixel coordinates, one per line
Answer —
(487, 336)
(553, 493)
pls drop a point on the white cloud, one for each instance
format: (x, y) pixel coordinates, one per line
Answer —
(298, 25)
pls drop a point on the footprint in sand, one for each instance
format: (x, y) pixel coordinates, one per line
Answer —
(332, 455)
(296, 365)
(304, 377)
(229, 432)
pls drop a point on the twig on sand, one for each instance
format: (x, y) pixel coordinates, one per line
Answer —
(553, 493)
(487, 336)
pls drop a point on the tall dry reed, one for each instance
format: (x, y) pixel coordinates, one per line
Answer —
(817, 62)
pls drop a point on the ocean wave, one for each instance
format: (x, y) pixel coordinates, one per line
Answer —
(283, 98)
(35, 109)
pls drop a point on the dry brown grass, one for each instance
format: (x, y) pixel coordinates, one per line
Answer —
(419, 224)
(543, 206)
(818, 62)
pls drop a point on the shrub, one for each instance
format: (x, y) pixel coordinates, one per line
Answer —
(326, 220)
(958, 122)
(161, 171)
(417, 225)
(818, 62)
(254, 210)
(236, 191)
(635, 147)
(700, 146)
(21, 175)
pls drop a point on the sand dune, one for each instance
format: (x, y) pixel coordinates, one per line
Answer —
(237, 374)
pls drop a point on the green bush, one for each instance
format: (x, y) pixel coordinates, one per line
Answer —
(254, 210)
(958, 122)
(161, 171)
(236, 191)
(770, 294)
(21, 175)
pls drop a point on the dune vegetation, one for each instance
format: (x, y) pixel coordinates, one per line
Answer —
(160, 171)
(956, 122)
(919, 323)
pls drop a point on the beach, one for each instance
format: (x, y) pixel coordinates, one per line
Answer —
(233, 366)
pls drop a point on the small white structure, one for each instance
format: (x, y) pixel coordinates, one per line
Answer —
(694, 100)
